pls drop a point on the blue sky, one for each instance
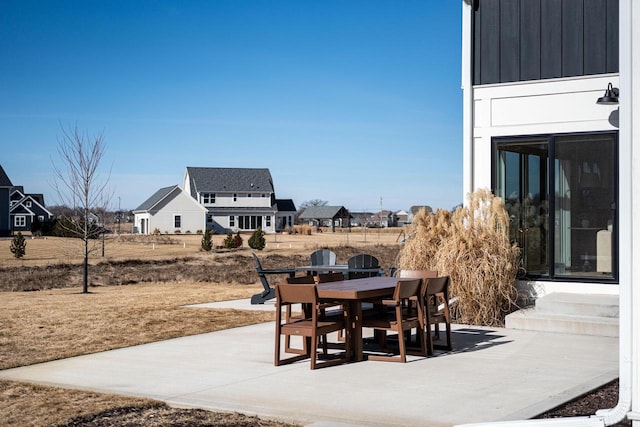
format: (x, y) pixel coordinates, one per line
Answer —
(344, 101)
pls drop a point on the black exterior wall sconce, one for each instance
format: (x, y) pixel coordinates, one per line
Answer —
(610, 96)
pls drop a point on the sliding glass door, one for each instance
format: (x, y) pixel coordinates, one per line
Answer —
(522, 183)
(561, 192)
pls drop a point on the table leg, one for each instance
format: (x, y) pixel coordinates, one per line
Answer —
(356, 341)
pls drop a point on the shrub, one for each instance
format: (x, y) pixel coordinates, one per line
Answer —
(238, 240)
(231, 241)
(206, 244)
(18, 246)
(156, 232)
(257, 241)
(471, 245)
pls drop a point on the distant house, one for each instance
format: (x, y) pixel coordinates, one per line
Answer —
(5, 193)
(239, 199)
(26, 209)
(385, 218)
(170, 210)
(413, 211)
(361, 219)
(402, 217)
(285, 214)
(326, 216)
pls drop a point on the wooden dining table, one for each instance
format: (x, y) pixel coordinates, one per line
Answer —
(352, 293)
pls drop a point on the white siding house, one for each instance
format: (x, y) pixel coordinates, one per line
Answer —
(170, 211)
(238, 199)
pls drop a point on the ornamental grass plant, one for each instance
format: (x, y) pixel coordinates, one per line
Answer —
(471, 245)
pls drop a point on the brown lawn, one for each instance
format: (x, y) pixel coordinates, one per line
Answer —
(60, 322)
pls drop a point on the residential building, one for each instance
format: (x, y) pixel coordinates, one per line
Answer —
(170, 210)
(402, 217)
(5, 193)
(326, 216)
(238, 199)
(534, 133)
(27, 209)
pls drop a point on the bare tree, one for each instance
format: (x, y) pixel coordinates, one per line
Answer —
(81, 187)
(313, 202)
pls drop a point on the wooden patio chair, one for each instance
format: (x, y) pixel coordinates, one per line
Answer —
(425, 275)
(395, 318)
(435, 295)
(290, 316)
(363, 261)
(331, 277)
(268, 292)
(311, 326)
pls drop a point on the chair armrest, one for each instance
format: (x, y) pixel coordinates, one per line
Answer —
(279, 271)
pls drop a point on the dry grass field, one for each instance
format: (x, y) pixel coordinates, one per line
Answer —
(140, 286)
(55, 250)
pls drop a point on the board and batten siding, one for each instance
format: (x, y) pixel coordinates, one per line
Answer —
(520, 40)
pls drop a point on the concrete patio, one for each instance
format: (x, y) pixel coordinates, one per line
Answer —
(493, 374)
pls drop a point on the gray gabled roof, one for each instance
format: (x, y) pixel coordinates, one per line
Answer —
(157, 196)
(4, 179)
(321, 212)
(212, 180)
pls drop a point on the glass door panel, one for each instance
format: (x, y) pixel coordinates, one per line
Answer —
(521, 180)
(585, 193)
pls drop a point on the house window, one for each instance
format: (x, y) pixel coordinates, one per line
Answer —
(561, 194)
(235, 197)
(208, 198)
(28, 203)
(177, 221)
(20, 221)
(249, 222)
(209, 218)
(232, 221)
(41, 218)
(268, 220)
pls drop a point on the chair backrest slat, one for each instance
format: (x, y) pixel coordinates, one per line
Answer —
(437, 285)
(407, 288)
(300, 280)
(330, 277)
(296, 293)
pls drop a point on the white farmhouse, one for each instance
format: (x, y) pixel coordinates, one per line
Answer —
(170, 210)
(239, 199)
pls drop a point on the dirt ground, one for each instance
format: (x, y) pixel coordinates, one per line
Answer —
(147, 282)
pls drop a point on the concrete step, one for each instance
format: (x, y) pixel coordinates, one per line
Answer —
(579, 304)
(529, 319)
(570, 313)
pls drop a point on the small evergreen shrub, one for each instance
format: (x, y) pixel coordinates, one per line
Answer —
(231, 241)
(238, 240)
(257, 241)
(18, 246)
(206, 244)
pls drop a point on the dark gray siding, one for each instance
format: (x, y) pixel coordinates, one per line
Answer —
(517, 40)
(5, 226)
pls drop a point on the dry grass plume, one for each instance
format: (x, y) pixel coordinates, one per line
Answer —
(471, 245)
